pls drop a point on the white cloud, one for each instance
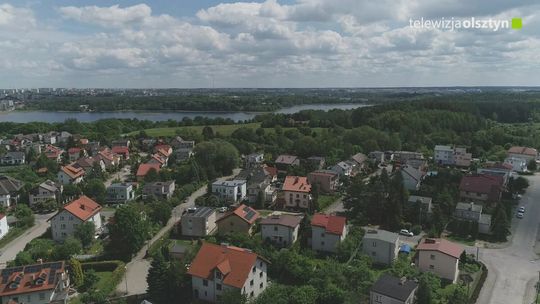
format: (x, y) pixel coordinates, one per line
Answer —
(108, 16)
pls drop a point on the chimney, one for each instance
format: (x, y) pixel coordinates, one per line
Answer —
(472, 206)
(82, 206)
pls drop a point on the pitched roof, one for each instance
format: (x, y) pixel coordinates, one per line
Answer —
(382, 235)
(72, 171)
(469, 206)
(412, 172)
(272, 171)
(145, 168)
(359, 158)
(9, 185)
(297, 184)
(441, 245)
(74, 150)
(120, 150)
(83, 208)
(234, 263)
(323, 173)
(396, 288)
(30, 278)
(244, 212)
(523, 150)
(332, 223)
(287, 220)
(286, 159)
(481, 183)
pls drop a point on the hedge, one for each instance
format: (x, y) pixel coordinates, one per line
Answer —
(116, 267)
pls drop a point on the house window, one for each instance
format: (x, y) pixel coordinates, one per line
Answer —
(251, 294)
(377, 299)
(251, 283)
(261, 264)
(322, 234)
(218, 286)
(432, 257)
(261, 274)
(261, 285)
(205, 282)
(431, 267)
(275, 228)
(374, 244)
(63, 226)
(322, 243)
(373, 253)
(41, 296)
(254, 269)
(218, 275)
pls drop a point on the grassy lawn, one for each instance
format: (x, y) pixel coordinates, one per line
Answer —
(14, 232)
(326, 200)
(461, 240)
(104, 283)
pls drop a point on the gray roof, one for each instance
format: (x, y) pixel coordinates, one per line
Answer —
(201, 212)
(49, 185)
(121, 185)
(15, 154)
(421, 199)
(469, 206)
(485, 219)
(383, 235)
(178, 248)
(255, 175)
(9, 185)
(393, 287)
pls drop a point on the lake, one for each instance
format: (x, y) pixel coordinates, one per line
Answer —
(29, 116)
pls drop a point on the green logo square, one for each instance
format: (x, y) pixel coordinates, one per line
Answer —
(517, 23)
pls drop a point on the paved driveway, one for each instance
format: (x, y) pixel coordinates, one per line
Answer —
(513, 271)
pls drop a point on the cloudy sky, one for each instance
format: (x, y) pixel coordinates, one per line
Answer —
(275, 43)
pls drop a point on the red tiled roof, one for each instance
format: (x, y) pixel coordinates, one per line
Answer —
(234, 263)
(144, 168)
(244, 212)
(523, 151)
(120, 149)
(272, 171)
(481, 183)
(27, 279)
(2, 215)
(52, 151)
(74, 150)
(83, 208)
(441, 245)
(332, 223)
(503, 166)
(72, 172)
(296, 184)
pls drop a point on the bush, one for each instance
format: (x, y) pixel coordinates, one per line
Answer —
(416, 229)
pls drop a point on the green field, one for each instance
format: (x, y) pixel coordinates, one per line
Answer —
(224, 130)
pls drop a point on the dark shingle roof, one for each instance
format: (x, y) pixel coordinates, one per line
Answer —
(9, 185)
(393, 287)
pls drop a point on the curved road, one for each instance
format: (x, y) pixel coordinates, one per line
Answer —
(513, 271)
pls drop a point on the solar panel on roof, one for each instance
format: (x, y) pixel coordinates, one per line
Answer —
(250, 215)
(247, 209)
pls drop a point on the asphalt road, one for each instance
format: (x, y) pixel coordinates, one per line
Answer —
(513, 271)
(10, 250)
(138, 267)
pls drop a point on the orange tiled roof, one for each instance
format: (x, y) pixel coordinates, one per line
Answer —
(83, 208)
(72, 172)
(233, 262)
(331, 223)
(31, 278)
(144, 168)
(296, 184)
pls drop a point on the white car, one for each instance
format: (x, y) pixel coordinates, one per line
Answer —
(521, 209)
(519, 215)
(406, 232)
(222, 209)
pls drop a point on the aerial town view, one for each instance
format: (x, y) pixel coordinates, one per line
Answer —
(269, 152)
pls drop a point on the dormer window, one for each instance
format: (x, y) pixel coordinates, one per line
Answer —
(218, 275)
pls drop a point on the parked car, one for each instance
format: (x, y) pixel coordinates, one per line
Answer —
(191, 209)
(222, 209)
(520, 215)
(406, 232)
(521, 209)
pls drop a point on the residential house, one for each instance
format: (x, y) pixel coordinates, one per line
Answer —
(497, 169)
(49, 138)
(123, 142)
(120, 193)
(148, 143)
(177, 252)
(220, 268)
(481, 188)
(404, 156)
(88, 164)
(9, 190)
(13, 158)
(93, 147)
(241, 220)
(4, 227)
(122, 151)
(444, 155)
(285, 162)
(297, 192)
(48, 190)
(253, 160)
(158, 158)
(523, 152)
(75, 153)
(327, 181)
(143, 170)
(412, 177)
(54, 153)
(316, 162)
(41, 283)
(259, 184)
(200, 223)
(381, 246)
(233, 190)
(159, 190)
(343, 168)
(377, 156)
(360, 161)
(63, 137)
(425, 204)
(79, 211)
(392, 290)
(280, 230)
(183, 149)
(165, 150)
(462, 157)
(70, 175)
(440, 257)
(327, 232)
(109, 159)
(518, 164)
(473, 212)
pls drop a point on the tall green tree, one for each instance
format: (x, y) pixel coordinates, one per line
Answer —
(76, 272)
(157, 280)
(95, 189)
(501, 225)
(85, 233)
(128, 231)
